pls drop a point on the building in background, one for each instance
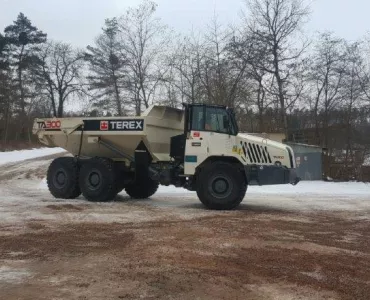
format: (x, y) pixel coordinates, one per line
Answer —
(308, 157)
(308, 161)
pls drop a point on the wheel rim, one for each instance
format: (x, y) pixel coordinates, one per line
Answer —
(60, 179)
(220, 186)
(94, 179)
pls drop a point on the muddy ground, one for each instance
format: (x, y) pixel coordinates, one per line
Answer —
(170, 247)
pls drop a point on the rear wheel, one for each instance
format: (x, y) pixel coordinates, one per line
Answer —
(62, 178)
(221, 186)
(98, 180)
(143, 189)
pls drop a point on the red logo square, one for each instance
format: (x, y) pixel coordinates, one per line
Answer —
(104, 125)
(196, 134)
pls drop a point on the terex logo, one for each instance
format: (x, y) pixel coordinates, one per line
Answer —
(104, 125)
(115, 125)
(127, 125)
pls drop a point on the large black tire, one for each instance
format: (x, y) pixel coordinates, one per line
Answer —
(62, 178)
(98, 180)
(221, 186)
(143, 189)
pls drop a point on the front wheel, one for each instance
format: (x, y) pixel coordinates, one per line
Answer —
(221, 186)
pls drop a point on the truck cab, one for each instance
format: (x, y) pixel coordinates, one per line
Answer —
(211, 134)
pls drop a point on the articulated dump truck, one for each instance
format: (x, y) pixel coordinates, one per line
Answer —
(197, 148)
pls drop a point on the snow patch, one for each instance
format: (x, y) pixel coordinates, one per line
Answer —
(314, 188)
(302, 188)
(15, 156)
(43, 185)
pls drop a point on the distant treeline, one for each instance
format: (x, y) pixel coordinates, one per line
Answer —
(277, 78)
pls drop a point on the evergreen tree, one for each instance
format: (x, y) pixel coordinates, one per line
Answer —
(24, 45)
(108, 69)
(5, 88)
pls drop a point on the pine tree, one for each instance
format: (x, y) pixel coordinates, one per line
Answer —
(5, 88)
(24, 42)
(108, 69)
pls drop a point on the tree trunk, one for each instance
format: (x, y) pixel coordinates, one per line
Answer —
(117, 96)
(20, 82)
(137, 101)
(118, 99)
(53, 105)
(7, 117)
(60, 107)
(317, 133)
(284, 119)
(260, 100)
(22, 96)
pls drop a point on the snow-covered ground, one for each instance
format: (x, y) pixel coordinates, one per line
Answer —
(304, 188)
(26, 195)
(306, 196)
(15, 156)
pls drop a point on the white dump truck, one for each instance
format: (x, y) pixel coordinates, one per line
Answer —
(197, 148)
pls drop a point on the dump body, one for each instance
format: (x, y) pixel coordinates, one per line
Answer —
(79, 135)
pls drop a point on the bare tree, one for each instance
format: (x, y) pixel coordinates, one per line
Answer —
(326, 75)
(143, 39)
(59, 74)
(220, 74)
(275, 23)
(170, 94)
(185, 62)
(353, 94)
(258, 82)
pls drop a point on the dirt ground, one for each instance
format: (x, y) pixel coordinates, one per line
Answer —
(170, 247)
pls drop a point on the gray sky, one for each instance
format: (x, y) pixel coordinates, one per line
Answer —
(79, 21)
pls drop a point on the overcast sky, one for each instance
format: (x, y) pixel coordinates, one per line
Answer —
(79, 21)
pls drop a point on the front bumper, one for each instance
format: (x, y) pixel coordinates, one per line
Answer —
(270, 175)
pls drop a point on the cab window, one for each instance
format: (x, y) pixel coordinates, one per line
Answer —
(197, 118)
(217, 120)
